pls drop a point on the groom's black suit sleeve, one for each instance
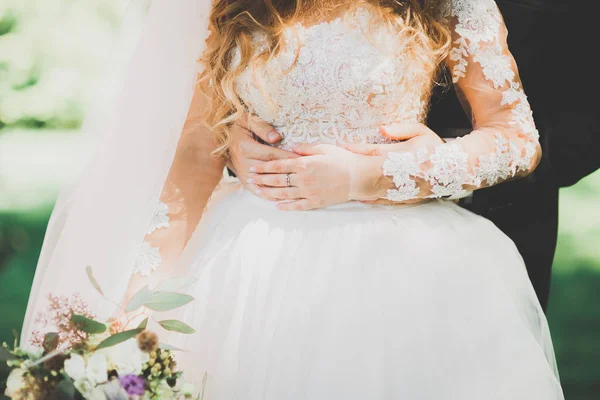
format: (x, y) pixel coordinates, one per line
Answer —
(573, 89)
(548, 41)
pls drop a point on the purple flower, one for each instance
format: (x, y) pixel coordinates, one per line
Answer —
(134, 385)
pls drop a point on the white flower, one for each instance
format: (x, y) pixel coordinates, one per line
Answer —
(75, 367)
(85, 387)
(97, 368)
(126, 358)
(109, 391)
(15, 382)
(164, 391)
(188, 390)
(95, 340)
(98, 394)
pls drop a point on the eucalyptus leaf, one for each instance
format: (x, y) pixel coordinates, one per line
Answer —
(143, 324)
(5, 355)
(175, 284)
(166, 301)
(88, 325)
(177, 326)
(93, 280)
(118, 338)
(165, 346)
(138, 299)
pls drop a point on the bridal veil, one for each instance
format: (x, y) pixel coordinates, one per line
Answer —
(100, 221)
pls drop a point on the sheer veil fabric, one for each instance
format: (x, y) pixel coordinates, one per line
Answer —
(101, 220)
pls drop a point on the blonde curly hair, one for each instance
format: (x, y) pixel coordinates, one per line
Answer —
(233, 23)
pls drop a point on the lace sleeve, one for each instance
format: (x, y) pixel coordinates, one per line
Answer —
(504, 141)
(193, 176)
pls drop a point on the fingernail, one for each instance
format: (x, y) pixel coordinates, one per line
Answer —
(253, 169)
(273, 136)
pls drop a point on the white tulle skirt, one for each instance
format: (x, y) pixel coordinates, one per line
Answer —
(362, 302)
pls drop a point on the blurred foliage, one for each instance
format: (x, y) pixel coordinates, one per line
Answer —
(579, 234)
(50, 51)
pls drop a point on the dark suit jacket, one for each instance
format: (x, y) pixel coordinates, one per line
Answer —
(547, 39)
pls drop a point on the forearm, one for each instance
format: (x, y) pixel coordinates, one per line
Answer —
(461, 166)
(504, 143)
(194, 174)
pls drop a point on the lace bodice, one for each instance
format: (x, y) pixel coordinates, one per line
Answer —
(339, 81)
(351, 77)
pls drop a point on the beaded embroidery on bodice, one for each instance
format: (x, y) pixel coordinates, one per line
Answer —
(337, 81)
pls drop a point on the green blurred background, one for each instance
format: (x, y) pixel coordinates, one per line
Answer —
(51, 58)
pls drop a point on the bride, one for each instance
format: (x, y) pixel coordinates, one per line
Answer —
(387, 289)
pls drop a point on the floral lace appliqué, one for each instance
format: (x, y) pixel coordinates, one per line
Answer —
(338, 82)
(147, 260)
(149, 257)
(477, 25)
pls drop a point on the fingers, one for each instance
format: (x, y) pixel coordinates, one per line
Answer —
(378, 149)
(272, 180)
(260, 128)
(311, 149)
(277, 194)
(298, 205)
(256, 151)
(239, 130)
(279, 166)
(364, 149)
(402, 131)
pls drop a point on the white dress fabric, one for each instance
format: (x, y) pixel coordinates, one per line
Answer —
(362, 301)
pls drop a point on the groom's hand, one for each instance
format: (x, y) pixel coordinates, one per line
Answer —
(246, 151)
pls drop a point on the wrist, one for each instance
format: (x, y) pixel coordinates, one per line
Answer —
(370, 182)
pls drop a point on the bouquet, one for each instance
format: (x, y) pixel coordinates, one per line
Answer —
(88, 359)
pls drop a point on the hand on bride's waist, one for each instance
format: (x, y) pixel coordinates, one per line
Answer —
(316, 176)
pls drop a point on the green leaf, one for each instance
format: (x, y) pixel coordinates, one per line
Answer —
(118, 338)
(6, 355)
(166, 301)
(175, 284)
(138, 299)
(143, 324)
(64, 390)
(50, 341)
(16, 337)
(93, 280)
(88, 325)
(165, 346)
(177, 326)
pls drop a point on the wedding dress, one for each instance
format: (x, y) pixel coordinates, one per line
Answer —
(360, 301)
